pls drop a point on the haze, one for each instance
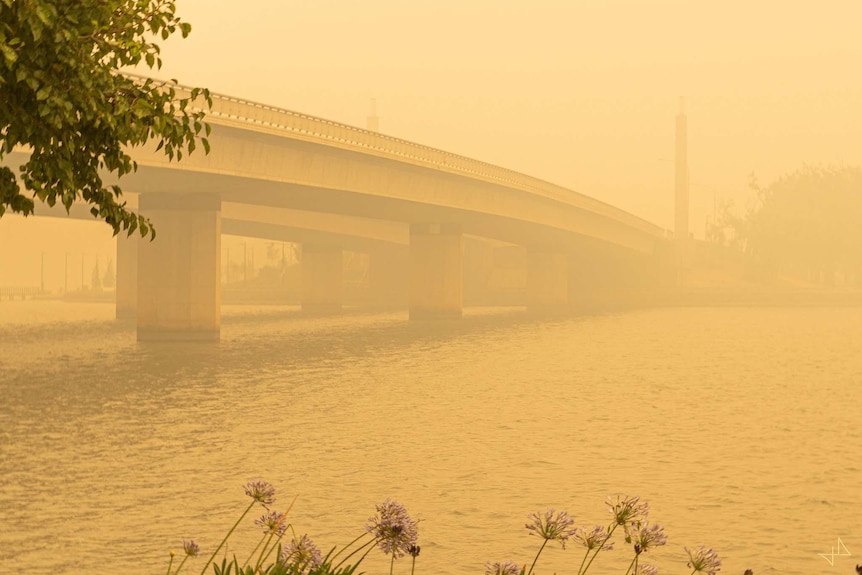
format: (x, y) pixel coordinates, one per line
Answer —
(728, 401)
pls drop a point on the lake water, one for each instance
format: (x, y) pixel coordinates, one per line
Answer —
(740, 426)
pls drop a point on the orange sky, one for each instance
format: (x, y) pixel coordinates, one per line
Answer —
(580, 93)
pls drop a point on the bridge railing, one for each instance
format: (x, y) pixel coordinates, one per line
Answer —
(239, 110)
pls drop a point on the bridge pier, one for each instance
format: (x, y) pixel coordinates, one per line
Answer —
(547, 279)
(179, 288)
(127, 275)
(322, 278)
(436, 271)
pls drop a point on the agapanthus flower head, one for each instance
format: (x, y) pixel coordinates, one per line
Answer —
(507, 568)
(392, 527)
(261, 491)
(551, 527)
(646, 569)
(703, 560)
(273, 523)
(627, 511)
(593, 538)
(646, 537)
(191, 548)
(301, 554)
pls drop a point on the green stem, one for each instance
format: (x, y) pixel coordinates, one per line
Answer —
(581, 566)
(220, 545)
(180, 566)
(346, 546)
(413, 566)
(634, 564)
(356, 551)
(260, 557)
(171, 562)
(268, 553)
(537, 557)
(598, 548)
(392, 564)
(253, 551)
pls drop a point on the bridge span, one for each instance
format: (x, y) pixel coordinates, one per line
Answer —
(285, 172)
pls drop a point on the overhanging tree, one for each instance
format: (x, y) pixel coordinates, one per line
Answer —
(64, 99)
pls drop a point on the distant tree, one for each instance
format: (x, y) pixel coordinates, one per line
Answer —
(63, 98)
(808, 220)
(96, 278)
(109, 280)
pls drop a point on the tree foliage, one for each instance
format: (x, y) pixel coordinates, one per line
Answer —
(808, 220)
(64, 99)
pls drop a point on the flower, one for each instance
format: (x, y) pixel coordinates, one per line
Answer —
(628, 511)
(394, 530)
(507, 568)
(593, 538)
(551, 528)
(703, 560)
(191, 548)
(646, 569)
(261, 491)
(413, 551)
(273, 523)
(647, 536)
(302, 554)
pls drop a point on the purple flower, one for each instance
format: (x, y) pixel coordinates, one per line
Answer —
(703, 560)
(191, 548)
(394, 530)
(628, 511)
(302, 554)
(646, 537)
(551, 528)
(507, 568)
(273, 523)
(261, 491)
(646, 569)
(593, 538)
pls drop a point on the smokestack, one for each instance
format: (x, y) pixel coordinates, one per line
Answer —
(681, 187)
(373, 122)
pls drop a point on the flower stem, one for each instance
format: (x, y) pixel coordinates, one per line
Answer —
(253, 551)
(537, 557)
(581, 566)
(392, 564)
(598, 548)
(413, 566)
(356, 551)
(171, 562)
(220, 545)
(180, 566)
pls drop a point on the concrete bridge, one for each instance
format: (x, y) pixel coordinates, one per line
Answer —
(281, 174)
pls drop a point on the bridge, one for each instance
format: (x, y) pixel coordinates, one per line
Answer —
(281, 174)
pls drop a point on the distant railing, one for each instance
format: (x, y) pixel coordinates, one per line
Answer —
(235, 109)
(18, 292)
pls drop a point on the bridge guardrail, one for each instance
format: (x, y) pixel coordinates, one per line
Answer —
(245, 111)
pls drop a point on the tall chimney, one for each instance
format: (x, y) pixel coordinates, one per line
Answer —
(681, 204)
(373, 122)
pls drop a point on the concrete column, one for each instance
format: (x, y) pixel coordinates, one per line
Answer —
(436, 271)
(322, 278)
(179, 287)
(547, 280)
(127, 275)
